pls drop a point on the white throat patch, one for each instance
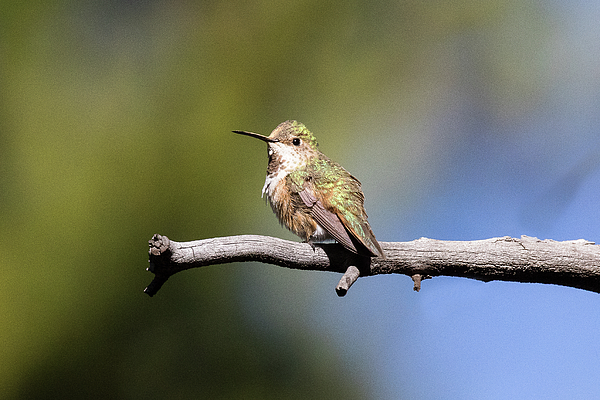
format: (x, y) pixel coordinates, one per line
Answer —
(289, 158)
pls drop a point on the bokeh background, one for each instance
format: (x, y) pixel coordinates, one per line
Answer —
(463, 119)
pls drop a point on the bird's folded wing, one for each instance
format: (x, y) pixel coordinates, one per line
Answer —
(328, 220)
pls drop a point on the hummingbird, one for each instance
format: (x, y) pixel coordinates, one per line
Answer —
(313, 196)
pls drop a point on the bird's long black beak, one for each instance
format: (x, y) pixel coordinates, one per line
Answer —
(257, 135)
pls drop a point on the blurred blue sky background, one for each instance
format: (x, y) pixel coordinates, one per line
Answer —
(463, 120)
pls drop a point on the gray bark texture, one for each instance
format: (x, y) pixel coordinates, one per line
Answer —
(573, 263)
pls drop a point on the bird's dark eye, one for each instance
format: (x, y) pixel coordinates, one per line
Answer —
(296, 141)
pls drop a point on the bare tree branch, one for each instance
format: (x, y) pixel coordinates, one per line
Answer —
(571, 263)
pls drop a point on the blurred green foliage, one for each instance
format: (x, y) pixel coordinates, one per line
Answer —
(115, 120)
